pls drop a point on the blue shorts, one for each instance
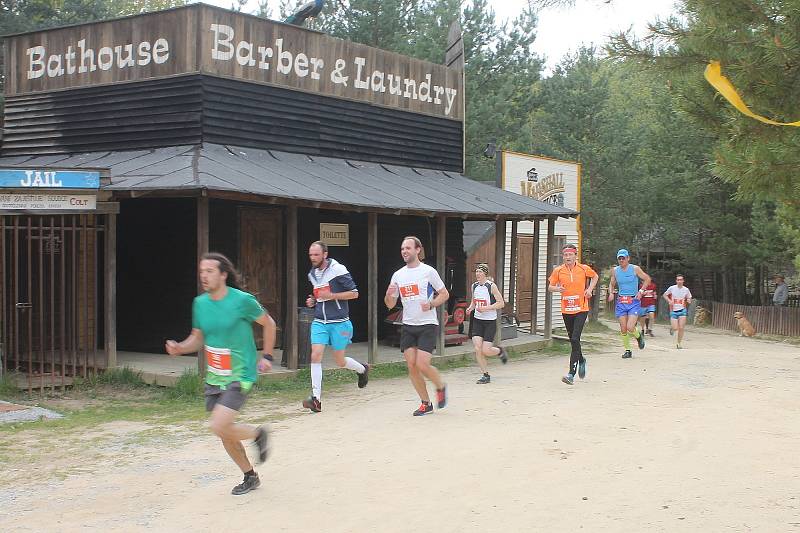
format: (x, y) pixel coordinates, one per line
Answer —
(631, 309)
(678, 314)
(336, 334)
(648, 309)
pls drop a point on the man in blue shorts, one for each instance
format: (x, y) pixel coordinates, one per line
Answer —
(628, 307)
(679, 297)
(333, 287)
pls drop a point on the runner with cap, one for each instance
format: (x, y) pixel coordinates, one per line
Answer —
(628, 306)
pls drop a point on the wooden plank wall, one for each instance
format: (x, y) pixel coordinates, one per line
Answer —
(771, 320)
(193, 109)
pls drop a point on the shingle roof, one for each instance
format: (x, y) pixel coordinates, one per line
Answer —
(328, 181)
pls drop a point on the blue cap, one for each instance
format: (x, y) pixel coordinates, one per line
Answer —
(623, 253)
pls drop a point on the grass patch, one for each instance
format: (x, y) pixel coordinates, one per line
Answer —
(8, 387)
(117, 377)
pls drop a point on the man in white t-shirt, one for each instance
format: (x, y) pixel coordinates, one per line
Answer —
(679, 298)
(421, 290)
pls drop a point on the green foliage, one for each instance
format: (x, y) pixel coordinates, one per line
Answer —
(188, 386)
(8, 388)
(117, 377)
(757, 43)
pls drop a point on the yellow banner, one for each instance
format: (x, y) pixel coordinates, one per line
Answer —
(714, 76)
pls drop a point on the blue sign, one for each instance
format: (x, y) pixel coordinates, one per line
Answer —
(48, 179)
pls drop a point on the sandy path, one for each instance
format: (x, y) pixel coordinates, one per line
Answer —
(703, 438)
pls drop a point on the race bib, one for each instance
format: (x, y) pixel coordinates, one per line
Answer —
(322, 293)
(480, 302)
(678, 303)
(409, 291)
(571, 303)
(219, 361)
(625, 299)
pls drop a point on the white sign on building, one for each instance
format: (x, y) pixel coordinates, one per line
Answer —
(553, 181)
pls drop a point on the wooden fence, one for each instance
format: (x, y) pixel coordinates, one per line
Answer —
(767, 319)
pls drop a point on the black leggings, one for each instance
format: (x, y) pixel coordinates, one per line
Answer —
(574, 324)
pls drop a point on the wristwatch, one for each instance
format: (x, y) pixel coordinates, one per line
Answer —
(268, 357)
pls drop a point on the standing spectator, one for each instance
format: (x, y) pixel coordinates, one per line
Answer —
(781, 291)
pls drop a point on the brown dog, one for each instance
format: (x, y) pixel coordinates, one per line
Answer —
(745, 327)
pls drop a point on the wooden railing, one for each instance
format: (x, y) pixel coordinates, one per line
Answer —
(772, 320)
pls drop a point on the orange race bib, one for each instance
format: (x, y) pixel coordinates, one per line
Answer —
(409, 291)
(625, 299)
(219, 361)
(571, 303)
(322, 293)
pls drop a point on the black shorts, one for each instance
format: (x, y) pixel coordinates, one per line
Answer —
(232, 397)
(484, 329)
(420, 337)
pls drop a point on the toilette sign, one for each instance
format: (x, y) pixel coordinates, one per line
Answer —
(200, 38)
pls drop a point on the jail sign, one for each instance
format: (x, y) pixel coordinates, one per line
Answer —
(21, 178)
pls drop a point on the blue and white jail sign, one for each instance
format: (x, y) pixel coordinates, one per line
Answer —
(19, 178)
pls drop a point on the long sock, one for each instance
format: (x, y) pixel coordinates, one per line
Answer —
(352, 364)
(635, 332)
(316, 380)
(626, 340)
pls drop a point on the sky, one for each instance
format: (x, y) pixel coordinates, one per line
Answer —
(561, 30)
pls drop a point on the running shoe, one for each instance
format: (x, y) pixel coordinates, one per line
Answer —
(261, 444)
(484, 380)
(363, 379)
(441, 397)
(678, 347)
(568, 379)
(627, 354)
(249, 483)
(503, 355)
(582, 368)
(312, 403)
(423, 409)
(650, 332)
(640, 340)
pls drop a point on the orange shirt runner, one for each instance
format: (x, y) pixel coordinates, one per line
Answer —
(573, 282)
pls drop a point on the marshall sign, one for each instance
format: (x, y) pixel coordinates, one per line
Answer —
(209, 40)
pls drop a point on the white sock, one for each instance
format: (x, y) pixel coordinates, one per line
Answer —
(316, 380)
(352, 364)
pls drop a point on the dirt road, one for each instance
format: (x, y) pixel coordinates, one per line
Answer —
(705, 438)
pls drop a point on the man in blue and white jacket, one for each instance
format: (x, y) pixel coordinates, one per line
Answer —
(333, 287)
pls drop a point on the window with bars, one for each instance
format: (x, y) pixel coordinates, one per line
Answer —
(559, 241)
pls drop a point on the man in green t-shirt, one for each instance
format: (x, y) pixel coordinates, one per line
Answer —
(222, 327)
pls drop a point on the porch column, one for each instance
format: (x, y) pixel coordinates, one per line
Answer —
(290, 326)
(512, 271)
(372, 288)
(110, 280)
(548, 296)
(441, 259)
(499, 269)
(202, 248)
(535, 276)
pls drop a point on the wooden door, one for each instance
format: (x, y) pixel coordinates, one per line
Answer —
(261, 261)
(524, 277)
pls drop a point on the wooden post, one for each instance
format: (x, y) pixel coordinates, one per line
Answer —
(441, 260)
(548, 296)
(372, 288)
(202, 248)
(535, 276)
(512, 270)
(499, 269)
(290, 327)
(111, 290)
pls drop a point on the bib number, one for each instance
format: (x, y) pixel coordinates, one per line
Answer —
(480, 302)
(625, 299)
(219, 361)
(409, 291)
(322, 293)
(678, 304)
(571, 303)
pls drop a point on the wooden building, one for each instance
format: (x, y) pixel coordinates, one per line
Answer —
(214, 130)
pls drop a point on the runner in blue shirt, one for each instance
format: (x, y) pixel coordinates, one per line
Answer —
(628, 306)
